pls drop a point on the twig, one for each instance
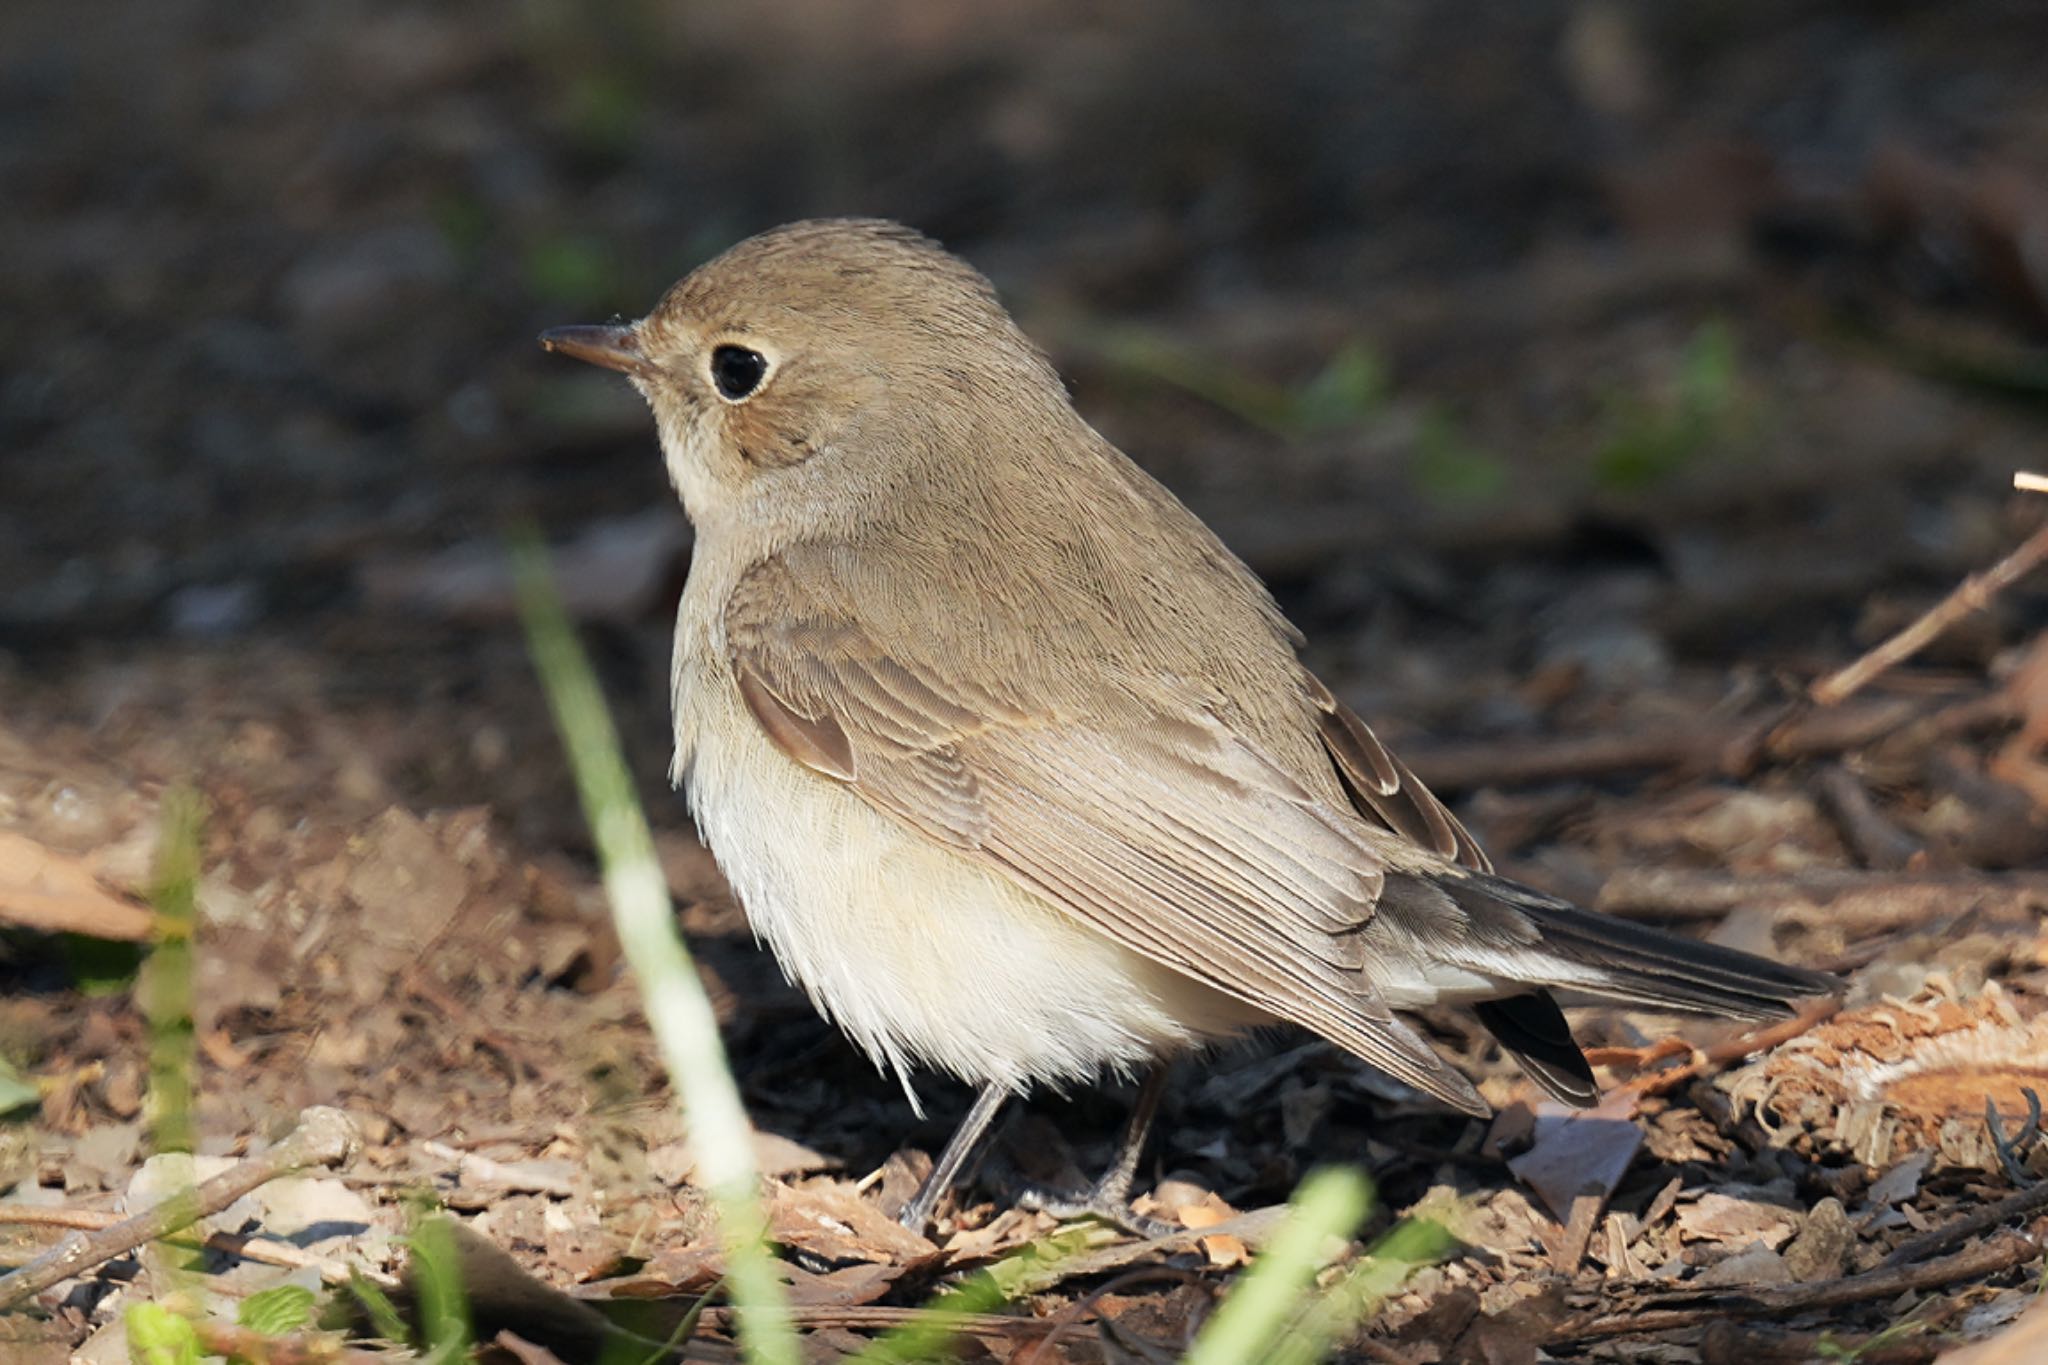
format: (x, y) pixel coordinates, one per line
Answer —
(1791, 732)
(2014, 1205)
(1990, 1257)
(324, 1137)
(297, 1348)
(1858, 902)
(1874, 839)
(229, 1243)
(1745, 1044)
(873, 1317)
(1040, 1350)
(1738, 1343)
(1971, 595)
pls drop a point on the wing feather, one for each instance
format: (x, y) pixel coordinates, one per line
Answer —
(1384, 789)
(1148, 817)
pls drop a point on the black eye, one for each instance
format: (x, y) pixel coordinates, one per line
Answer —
(737, 371)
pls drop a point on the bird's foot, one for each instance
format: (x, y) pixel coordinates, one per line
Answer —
(1107, 1201)
(2012, 1151)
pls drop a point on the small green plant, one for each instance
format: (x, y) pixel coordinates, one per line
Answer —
(1329, 1205)
(1827, 1348)
(1652, 440)
(1024, 1272)
(385, 1319)
(575, 272)
(159, 1336)
(1331, 1318)
(678, 1012)
(1448, 468)
(1350, 387)
(164, 991)
(101, 967)
(434, 1270)
(278, 1310)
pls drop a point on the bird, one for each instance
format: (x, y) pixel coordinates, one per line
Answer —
(1014, 766)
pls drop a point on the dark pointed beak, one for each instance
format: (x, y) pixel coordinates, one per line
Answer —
(614, 347)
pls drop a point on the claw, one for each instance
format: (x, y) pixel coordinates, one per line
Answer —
(1104, 1205)
(2012, 1151)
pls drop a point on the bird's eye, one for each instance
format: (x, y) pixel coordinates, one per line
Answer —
(737, 371)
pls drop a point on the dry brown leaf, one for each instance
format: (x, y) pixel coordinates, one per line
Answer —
(2023, 1343)
(49, 891)
(1580, 1149)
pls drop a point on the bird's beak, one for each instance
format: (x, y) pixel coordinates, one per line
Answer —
(615, 347)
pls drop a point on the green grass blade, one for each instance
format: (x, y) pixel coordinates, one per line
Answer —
(435, 1271)
(1329, 1204)
(165, 989)
(1335, 1315)
(677, 1009)
(924, 1339)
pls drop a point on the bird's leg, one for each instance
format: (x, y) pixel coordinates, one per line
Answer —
(1109, 1199)
(917, 1214)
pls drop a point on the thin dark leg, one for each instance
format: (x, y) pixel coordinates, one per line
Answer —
(1115, 1185)
(917, 1214)
(1109, 1199)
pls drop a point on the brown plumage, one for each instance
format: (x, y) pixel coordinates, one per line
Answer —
(960, 691)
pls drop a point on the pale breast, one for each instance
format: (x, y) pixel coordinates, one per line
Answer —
(923, 955)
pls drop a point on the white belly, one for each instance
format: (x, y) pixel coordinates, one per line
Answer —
(921, 954)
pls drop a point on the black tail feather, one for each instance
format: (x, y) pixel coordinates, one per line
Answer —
(1644, 966)
(1532, 1029)
(1630, 964)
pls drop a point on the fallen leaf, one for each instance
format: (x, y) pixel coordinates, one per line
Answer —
(45, 890)
(1579, 1149)
(2023, 1343)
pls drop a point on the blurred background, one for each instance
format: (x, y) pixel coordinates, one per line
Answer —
(1569, 368)
(1588, 334)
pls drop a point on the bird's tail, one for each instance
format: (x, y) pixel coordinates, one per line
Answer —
(1524, 938)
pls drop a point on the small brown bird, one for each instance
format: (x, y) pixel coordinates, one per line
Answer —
(1011, 762)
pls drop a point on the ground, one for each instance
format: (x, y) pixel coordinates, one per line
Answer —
(1588, 381)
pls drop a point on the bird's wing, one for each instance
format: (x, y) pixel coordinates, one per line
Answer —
(1383, 788)
(1129, 803)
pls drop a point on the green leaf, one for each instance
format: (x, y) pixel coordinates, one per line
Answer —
(436, 1275)
(1350, 388)
(278, 1310)
(384, 1316)
(1448, 467)
(157, 1336)
(100, 967)
(1254, 1316)
(576, 272)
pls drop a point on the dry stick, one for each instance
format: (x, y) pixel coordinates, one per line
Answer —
(1040, 1350)
(1871, 836)
(1990, 1257)
(1861, 902)
(1738, 1343)
(2034, 1196)
(228, 1243)
(1733, 747)
(1972, 594)
(298, 1348)
(1745, 1044)
(324, 1137)
(870, 1317)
